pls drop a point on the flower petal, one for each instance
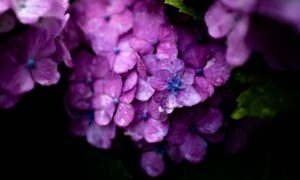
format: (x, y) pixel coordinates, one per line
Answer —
(144, 90)
(101, 136)
(155, 131)
(152, 163)
(45, 72)
(124, 115)
(188, 97)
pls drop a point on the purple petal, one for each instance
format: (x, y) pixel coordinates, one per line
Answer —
(80, 96)
(159, 80)
(115, 85)
(203, 88)
(217, 70)
(188, 76)
(144, 90)
(141, 46)
(105, 109)
(124, 62)
(196, 56)
(194, 148)
(122, 22)
(219, 20)
(103, 40)
(246, 6)
(152, 163)
(238, 52)
(14, 78)
(150, 62)
(4, 5)
(135, 130)
(124, 115)
(45, 73)
(178, 132)
(101, 136)
(155, 131)
(188, 97)
(130, 81)
(167, 50)
(211, 122)
(128, 97)
(7, 100)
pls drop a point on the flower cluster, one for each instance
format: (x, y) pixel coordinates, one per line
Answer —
(233, 20)
(31, 55)
(133, 69)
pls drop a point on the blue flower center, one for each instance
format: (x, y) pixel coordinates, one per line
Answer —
(145, 116)
(30, 64)
(193, 128)
(155, 42)
(116, 50)
(116, 101)
(199, 72)
(90, 114)
(160, 149)
(106, 18)
(175, 84)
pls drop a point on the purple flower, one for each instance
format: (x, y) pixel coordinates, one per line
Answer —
(101, 136)
(223, 22)
(93, 15)
(188, 128)
(23, 68)
(148, 124)
(30, 11)
(286, 11)
(7, 22)
(4, 6)
(7, 100)
(174, 85)
(152, 163)
(111, 103)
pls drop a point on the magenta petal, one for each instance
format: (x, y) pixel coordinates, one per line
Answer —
(115, 85)
(45, 73)
(130, 81)
(178, 132)
(152, 163)
(125, 61)
(188, 76)
(144, 90)
(128, 97)
(246, 6)
(141, 46)
(217, 71)
(14, 78)
(105, 109)
(7, 100)
(155, 131)
(159, 80)
(80, 96)
(238, 52)
(219, 21)
(150, 62)
(167, 50)
(194, 148)
(196, 56)
(4, 5)
(188, 96)
(203, 88)
(101, 136)
(135, 130)
(124, 115)
(211, 122)
(103, 40)
(122, 22)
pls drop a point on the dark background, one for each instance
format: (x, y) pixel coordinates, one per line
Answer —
(36, 143)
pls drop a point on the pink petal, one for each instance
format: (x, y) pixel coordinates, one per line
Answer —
(167, 50)
(211, 122)
(128, 97)
(101, 136)
(4, 5)
(144, 90)
(135, 130)
(105, 109)
(141, 46)
(194, 148)
(155, 131)
(203, 88)
(124, 62)
(45, 72)
(188, 97)
(130, 81)
(188, 76)
(124, 115)
(152, 163)
(115, 85)
(159, 80)
(80, 96)
(104, 39)
(238, 52)
(219, 20)
(151, 63)
(122, 22)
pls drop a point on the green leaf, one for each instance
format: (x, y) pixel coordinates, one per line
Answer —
(186, 9)
(264, 101)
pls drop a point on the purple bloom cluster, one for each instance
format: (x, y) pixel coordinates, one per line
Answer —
(32, 55)
(132, 69)
(232, 19)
